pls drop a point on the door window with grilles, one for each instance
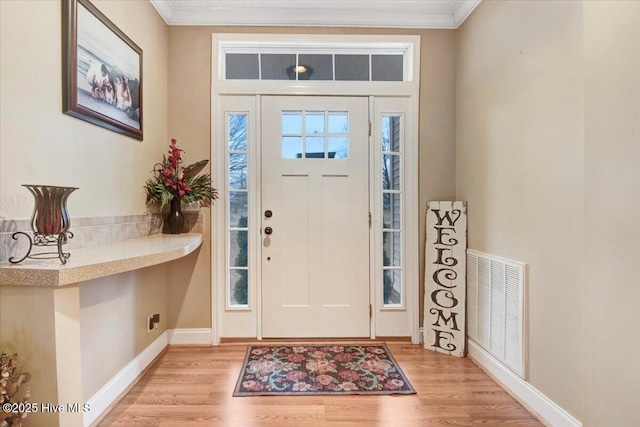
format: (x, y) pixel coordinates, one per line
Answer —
(315, 135)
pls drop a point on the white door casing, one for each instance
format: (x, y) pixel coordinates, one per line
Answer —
(244, 97)
(315, 262)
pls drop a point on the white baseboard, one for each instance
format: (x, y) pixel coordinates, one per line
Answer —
(547, 410)
(421, 335)
(108, 394)
(198, 336)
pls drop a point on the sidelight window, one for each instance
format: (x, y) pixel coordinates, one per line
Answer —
(391, 210)
(237, 229)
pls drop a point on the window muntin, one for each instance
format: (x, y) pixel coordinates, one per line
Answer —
(338, 148)
(361, 66)
(314, 147)
(242, 66)
(322, 66)
(338, 123)
(237, 171)
(393, 288)
(274, 66)
(352, 67)
(291, 147)
(314, 122)
(317, 134)
(237, 230)
(387, 68)
(292, 122)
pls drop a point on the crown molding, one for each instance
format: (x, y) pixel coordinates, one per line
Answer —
(420, 14)
(164, 9)
(463, 10)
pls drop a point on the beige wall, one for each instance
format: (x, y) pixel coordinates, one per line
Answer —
(547, 156)
(190, 118)
(41, 145)
(189, 290)
(113, 316)
(611, 289)
(520, 161)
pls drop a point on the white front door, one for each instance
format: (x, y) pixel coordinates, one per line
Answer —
(315, 217)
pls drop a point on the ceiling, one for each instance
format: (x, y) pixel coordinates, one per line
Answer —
(324, 13)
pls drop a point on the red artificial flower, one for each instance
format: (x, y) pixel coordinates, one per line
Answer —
(172, 169)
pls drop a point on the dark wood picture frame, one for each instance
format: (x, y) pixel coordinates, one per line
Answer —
(102, 80)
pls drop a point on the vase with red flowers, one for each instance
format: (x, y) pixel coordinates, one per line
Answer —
(173, 184)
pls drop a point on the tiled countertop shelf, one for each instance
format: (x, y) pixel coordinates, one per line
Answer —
(94, 262)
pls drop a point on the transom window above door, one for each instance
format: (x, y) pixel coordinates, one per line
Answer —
(315, 135)
(354, 66)
(318, 60)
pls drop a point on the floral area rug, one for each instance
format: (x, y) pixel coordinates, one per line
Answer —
(320, 369)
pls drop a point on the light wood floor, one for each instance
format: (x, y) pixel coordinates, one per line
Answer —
(193, 386)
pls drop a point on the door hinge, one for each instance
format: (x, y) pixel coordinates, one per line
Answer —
(369, 128)
(369, 219)
(370, 311)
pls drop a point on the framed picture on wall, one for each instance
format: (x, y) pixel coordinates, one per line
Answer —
(102, 70)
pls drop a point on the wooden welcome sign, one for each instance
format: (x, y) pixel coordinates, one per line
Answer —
(445, 278)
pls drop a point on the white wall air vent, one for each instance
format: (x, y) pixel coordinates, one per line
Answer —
(496, 308)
